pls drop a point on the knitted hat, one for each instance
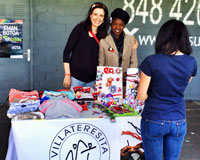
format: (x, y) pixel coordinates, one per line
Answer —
(121, 14)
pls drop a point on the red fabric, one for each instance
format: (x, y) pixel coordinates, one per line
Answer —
(14, 93)
(60, 90)
(135, 135)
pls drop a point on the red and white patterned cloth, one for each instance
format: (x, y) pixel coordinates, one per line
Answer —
(17, 95)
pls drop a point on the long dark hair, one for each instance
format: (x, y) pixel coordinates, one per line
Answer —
(173, 36)
(103, 28)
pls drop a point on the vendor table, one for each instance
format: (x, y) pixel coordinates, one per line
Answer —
(71, 139)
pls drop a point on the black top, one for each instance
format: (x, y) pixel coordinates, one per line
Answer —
(120, 45)
(81, 51)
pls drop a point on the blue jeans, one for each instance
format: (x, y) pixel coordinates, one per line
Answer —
(162, 139)
(75, 82)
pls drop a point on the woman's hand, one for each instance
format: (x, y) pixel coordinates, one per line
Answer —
(67, 81)
(67, 78)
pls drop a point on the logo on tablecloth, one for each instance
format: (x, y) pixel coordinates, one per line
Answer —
(80, 141)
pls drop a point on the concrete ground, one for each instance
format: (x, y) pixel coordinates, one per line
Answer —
(191, 145)
(190, 149)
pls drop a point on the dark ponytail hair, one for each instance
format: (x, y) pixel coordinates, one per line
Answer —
(173, 36)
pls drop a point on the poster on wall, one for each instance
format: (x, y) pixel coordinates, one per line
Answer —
(11, 38)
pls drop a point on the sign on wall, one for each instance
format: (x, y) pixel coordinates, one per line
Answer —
(11, 39)
(145, 15)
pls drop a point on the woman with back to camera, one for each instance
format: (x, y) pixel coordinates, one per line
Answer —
(80, 56)
(164, 78)
(118, 49)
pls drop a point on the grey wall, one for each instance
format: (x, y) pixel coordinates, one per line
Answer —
(54, 20)
(48, 23)
(53, 23)
(15, 73)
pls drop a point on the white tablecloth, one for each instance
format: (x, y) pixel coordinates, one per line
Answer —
(70, 139)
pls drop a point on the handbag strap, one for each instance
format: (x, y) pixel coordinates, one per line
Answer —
(94, 36)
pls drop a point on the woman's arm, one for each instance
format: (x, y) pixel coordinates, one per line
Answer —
(143, 87)
(67, 78)
(71, 43)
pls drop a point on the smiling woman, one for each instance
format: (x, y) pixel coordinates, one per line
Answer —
(96, 18)
(118, 49)
(80, 56)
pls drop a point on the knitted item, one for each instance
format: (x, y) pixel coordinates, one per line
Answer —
(54, 109)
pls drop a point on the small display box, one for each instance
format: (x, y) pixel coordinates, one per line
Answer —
(109, 80)
(83, 93)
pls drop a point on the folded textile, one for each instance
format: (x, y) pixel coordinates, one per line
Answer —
(25, 116)
(44, 99)
(17, 95)
(53, 109)
(62, 94)
(18, 108)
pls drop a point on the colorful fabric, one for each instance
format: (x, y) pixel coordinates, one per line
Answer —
(22, 102)
(19, 95)
(25, 116)
(53, 109)
(62, 94)
(18, 108)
